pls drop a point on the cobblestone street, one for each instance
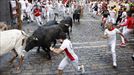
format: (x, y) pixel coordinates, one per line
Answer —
(89, 46)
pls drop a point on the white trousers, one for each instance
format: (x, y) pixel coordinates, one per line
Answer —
(44, 12)
(95, 12)
(126, 33)
(65, 61)
(112, 47)
(113, 20)
(30, 16)
(48, 16)
(38, 20)
(22, 14)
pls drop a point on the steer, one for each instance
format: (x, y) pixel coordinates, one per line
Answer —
(76, 15)
(43, 37)
(13, 40)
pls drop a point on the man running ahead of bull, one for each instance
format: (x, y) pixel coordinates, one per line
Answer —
(70, 56)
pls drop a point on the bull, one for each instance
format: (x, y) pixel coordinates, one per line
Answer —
(51, 22)
(68, 22)
(76, 15)
(65, 24)
(43, 37)
(13, 40)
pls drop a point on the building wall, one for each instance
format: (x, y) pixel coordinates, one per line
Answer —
(5, 11)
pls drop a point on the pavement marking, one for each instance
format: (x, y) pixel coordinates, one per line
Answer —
(89, 20)
(100, 46)
(77, 43)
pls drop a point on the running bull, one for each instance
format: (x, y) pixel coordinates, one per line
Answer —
(65, 24)
(43, 37)
(76, 15)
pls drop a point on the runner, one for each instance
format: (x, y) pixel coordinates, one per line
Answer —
(110, 35)
(37, 14)
(70, 56)
(130, 27)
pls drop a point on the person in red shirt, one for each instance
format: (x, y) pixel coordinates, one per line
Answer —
(129, 27)
(37, 14)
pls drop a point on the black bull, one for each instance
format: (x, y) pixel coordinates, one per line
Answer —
(76, 15)
(43, 37)
(67, 21)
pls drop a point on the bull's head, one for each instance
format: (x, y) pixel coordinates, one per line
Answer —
(31, 43)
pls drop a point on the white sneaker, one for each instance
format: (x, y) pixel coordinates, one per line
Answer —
(114, 64)
(82, 69)
(132, 57)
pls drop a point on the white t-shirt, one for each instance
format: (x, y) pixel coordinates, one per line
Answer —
(112, 13)
(13, 5)
(23, 4)
(124, 15)
(69, 51)
(29, 7)
(49, 7)
(111, 35)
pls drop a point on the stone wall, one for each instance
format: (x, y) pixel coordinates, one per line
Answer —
(5, 11)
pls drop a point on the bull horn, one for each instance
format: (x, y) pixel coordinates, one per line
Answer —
(35, 38)
(66, 24)
(23, 33)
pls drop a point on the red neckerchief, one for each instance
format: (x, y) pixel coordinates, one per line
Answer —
(111, 29)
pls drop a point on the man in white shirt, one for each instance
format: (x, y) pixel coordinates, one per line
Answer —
(49, 7)
(23, 8)
(61, 8)
(70, 56)
(29, 12)
(110, 35)
(112, 15)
